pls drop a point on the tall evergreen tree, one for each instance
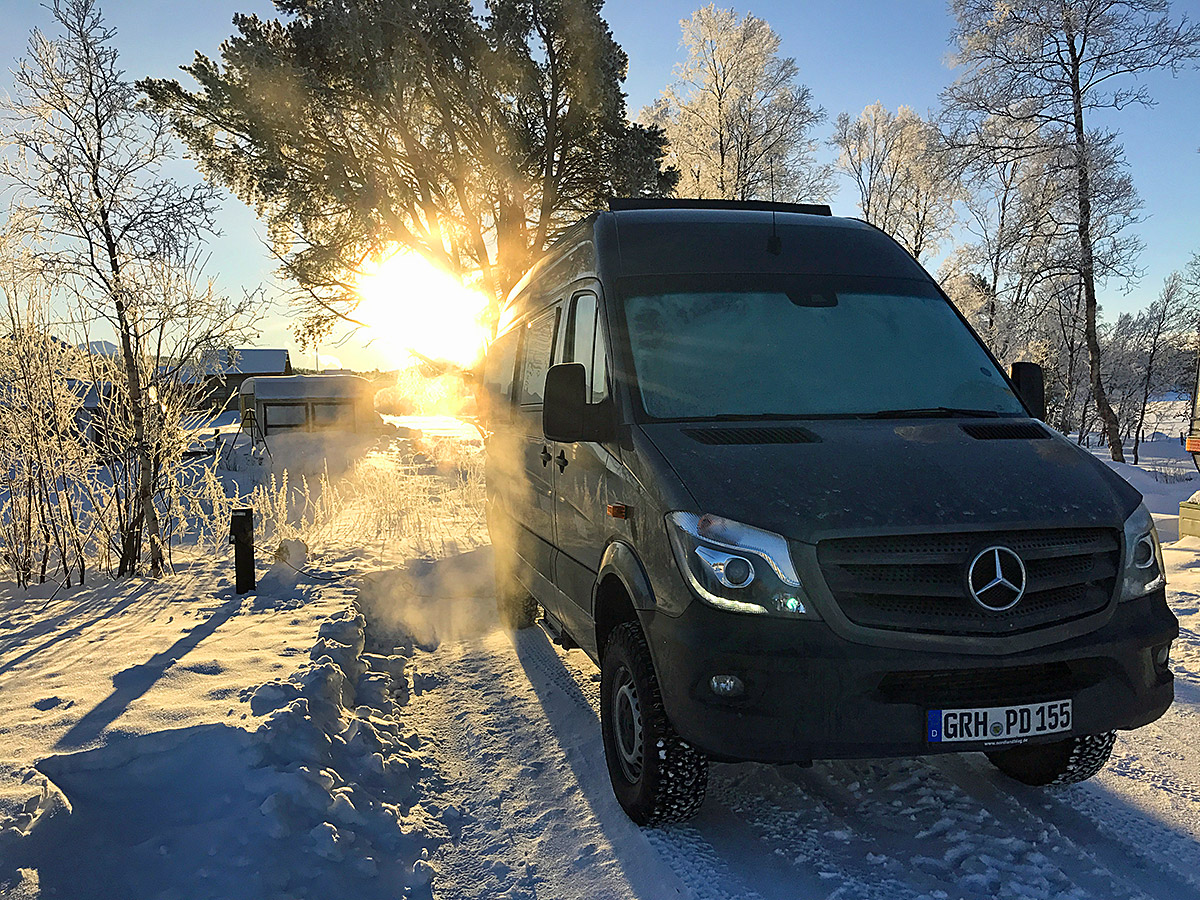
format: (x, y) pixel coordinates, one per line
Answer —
(352, 127)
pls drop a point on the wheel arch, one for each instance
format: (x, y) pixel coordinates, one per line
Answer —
(622, 591)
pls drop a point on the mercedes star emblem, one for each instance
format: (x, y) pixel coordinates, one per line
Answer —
(996, 579)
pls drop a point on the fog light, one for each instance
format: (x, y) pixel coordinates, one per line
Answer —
(1162, 656)
(1143, 552)
(726, 685)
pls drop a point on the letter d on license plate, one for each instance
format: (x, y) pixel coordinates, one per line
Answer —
(998, 723)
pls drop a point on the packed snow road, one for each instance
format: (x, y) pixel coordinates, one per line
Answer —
(513, 734)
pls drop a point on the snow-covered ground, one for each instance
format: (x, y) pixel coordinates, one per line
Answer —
(1165, 475)
(363, 728)
(176, 740)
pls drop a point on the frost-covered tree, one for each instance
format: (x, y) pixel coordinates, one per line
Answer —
(1167, 323)
(1010, 201)
(119, 241)
(738, 122)
(1191, 277)
(1021, 219)
(907, 182)
(1053, 64)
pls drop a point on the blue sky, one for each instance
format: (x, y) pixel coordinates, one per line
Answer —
(849, 52)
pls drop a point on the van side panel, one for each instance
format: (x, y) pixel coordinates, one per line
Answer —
(531, 504)
(584, 469)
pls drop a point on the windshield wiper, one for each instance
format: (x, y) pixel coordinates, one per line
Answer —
(931, 412)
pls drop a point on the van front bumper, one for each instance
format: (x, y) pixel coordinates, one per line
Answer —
(811, 694)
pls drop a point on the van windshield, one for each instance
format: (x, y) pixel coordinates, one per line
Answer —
(794, 346)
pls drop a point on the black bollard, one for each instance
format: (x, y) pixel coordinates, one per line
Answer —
(241, 535)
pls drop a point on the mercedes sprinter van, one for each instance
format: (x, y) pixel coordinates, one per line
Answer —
(751, 459)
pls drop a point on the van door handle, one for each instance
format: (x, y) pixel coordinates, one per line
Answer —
(546, 457)
(561, 460)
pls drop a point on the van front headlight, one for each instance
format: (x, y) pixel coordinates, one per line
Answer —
(736, 567)
(1144, 570)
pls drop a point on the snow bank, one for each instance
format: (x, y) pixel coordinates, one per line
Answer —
(319, 800)
(1161, 496)
(345, 780)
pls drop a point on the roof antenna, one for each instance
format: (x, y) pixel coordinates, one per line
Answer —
(774, 243)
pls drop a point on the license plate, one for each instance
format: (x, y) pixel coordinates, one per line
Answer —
(998, 723)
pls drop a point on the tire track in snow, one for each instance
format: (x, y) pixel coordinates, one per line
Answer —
(528, 804)
(1109, 862)
(897, 828)
(805, 832)
(521, 722)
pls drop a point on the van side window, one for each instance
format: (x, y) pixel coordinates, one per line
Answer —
(581, 338)
(599, 365)
(498, 369)
(535, 357)
(586, 344)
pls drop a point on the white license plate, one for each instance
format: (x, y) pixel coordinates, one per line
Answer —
(998, 723)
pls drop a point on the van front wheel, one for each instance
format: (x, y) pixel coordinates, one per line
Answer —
(657, 776)
(1062, 762)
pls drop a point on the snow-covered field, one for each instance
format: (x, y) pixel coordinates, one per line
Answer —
(362, 728)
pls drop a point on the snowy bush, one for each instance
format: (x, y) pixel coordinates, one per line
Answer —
(423, 501)
(52, 511)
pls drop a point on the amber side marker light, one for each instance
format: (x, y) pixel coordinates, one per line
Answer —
(618, 510)
(1192, 445)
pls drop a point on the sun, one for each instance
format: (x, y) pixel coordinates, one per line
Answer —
(409, 304)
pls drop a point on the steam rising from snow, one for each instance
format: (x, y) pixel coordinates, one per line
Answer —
(426, 602)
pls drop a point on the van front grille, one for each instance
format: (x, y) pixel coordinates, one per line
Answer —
(1002, 686)
(918, 583)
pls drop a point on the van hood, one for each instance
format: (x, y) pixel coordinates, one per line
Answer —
(861, 477)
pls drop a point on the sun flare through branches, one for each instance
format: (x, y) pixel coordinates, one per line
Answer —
(410, 305)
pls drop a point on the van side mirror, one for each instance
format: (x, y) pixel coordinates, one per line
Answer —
(565, 402)
(566, 414)
(1030, 383)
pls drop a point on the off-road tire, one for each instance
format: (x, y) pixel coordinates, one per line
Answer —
(1062, 762)
(670, 783)
(516, 606)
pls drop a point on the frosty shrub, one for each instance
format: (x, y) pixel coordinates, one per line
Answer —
(304, 509)
(425, 501)
(201, 508)
(50, 508)
(99, 223)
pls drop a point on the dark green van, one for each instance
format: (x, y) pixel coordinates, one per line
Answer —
(752, 461)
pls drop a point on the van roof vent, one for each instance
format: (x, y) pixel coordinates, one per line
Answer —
(756, 435)
(1006, 431)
